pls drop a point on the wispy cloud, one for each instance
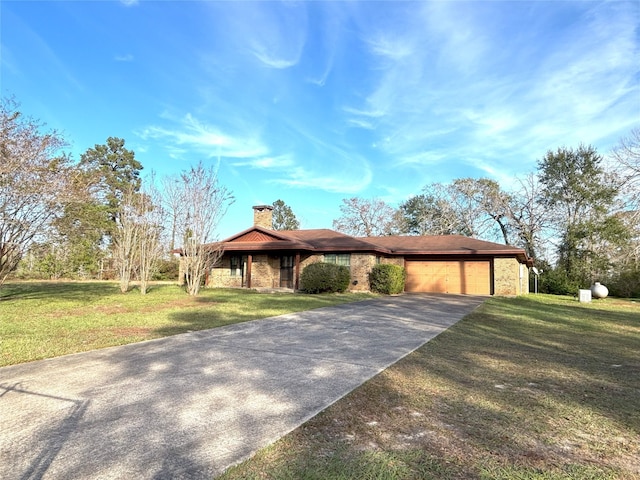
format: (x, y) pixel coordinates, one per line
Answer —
(272, 33)
(344, 182)
(266, 163)
(124, 58)
(448, 86)
(193, 134)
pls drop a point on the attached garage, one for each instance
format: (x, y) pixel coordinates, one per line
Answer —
(470, 277)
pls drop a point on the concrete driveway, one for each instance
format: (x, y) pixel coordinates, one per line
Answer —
(191, 405)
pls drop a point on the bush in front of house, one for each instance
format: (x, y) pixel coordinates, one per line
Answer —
(387, 278)
(325, 278)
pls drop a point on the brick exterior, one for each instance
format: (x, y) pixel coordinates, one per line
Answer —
(361, 265)
(509, 278)
(263, 216)
(393, 260)
(220, 275)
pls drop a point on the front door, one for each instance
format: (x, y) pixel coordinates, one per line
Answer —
(286, 271)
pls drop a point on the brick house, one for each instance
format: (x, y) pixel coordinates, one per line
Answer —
(260, 257)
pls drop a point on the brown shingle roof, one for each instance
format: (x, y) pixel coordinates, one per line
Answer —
(325, 240)
(321, 240)
(431, 243)
(330, 240)
(445, 245)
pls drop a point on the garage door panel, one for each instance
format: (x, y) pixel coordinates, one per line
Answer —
(463, 276)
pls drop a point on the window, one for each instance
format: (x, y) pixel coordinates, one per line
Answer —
(236, 266)
(338, 258)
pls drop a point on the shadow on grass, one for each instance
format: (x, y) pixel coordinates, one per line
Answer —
(539, 384)
(518, 389)
(83, 291)
(219, 307)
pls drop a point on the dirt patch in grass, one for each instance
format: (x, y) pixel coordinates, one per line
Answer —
(184, 302)
(132, 332)
(120, 309)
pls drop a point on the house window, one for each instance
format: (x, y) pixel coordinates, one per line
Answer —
(236, 266)
(338, 258)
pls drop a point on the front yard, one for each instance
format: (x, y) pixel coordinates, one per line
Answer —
(532, 387)
(535, 387)
(47, 319)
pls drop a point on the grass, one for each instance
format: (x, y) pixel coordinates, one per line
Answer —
(47, 319)
(525, 388)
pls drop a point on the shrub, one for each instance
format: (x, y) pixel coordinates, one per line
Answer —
(167, 269)
(556, 282)
(625, 284)
(387, 278)
(325, 277)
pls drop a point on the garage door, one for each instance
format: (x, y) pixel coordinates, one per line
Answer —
(468, 277)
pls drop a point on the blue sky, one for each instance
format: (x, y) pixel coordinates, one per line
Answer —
(314, 102)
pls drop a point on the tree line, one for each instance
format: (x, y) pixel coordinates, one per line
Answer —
(578, 215)
(97, 217)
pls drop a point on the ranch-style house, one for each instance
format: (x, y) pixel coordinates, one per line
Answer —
(260, 257)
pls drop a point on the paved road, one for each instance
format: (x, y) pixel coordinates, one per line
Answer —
(191, 405)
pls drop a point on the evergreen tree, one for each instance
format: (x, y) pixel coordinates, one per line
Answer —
(283, 217)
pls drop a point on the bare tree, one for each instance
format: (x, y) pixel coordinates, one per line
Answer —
(365, 218)
(481, 206)
(149, 248)
(173, 204)
(125, 238)
(527, 215)
(203, 203)
(33, 180)
(137, 238)
(625, 159)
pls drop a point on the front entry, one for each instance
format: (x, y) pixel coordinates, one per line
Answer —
(286, 271)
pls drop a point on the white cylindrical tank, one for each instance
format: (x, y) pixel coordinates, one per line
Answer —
(599, 291)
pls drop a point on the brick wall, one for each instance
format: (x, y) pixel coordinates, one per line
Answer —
(220, 275)
(393, 260)
(507, 277)
(263, 216)
(361, 265)
(265, 271)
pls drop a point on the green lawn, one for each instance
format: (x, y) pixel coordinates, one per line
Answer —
(534, 387)
(48, 319)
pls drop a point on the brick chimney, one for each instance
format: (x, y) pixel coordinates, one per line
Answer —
(263, 216)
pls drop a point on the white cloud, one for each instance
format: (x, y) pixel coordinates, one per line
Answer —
(124, 58)
(448, 85)
(192, 134)
(339, 182)
(282, 161)
(391, 46)
(273, 33)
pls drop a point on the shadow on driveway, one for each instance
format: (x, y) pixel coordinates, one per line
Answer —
(191, 405)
